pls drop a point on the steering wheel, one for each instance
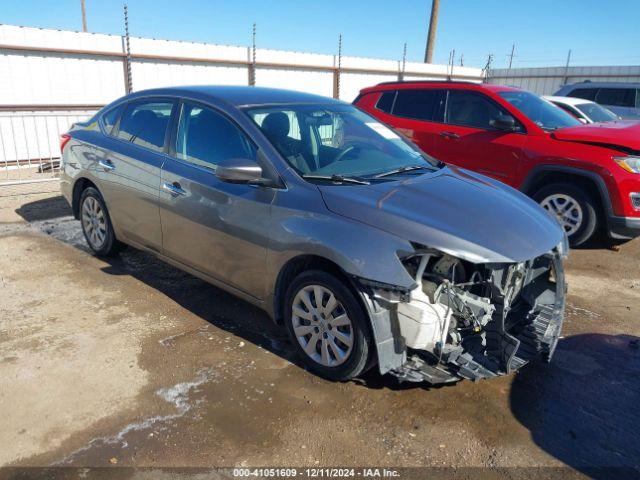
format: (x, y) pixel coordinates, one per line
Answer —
(346, 151)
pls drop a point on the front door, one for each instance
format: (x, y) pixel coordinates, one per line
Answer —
(220, 229)
(469, 140)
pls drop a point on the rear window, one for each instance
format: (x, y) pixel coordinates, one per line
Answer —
(385, 102)
(586, 93)
(420, 104)
(110, 118)
(618, 97)
(145, 123)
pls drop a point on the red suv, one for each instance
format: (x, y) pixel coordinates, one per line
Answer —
(588, 176)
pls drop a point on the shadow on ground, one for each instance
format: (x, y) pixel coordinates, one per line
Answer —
(583, 408)
(45, 209)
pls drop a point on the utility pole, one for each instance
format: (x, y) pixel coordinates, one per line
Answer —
(433, 26)
(513, 49)
(84, 16)
(487, 67)
(462, 59)
(566, 69)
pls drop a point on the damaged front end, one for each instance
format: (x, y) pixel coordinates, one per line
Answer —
(467, 321)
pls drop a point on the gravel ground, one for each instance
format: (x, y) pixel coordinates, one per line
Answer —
(131, 362)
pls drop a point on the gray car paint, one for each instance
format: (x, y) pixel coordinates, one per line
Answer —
(239, 237)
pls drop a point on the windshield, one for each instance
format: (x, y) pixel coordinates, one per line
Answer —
(543, 113)
(338, 141)
(596, 113)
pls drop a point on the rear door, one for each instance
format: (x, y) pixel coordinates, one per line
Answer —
(469, 140)
(218, 228)
(621, 101)
(416, 113)
(128, 166)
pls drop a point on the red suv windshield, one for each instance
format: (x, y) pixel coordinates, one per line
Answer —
(544, 114)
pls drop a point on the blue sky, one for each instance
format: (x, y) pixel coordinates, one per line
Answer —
(599, 32)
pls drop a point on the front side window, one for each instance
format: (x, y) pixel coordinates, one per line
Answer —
(419, 104)
(336, 140)
(207, 138)
(541, 112)
(145, 123)
(471, 109)
(617, 97)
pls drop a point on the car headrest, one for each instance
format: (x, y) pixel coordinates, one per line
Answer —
(276, 124)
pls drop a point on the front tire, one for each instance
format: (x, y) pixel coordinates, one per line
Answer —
(96, 224)
(574, 208)
(327, 326)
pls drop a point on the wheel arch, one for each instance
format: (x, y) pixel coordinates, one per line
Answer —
(80, 185)
(590, 181)
(299, 264)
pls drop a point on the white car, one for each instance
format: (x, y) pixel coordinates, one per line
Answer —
(585, 111)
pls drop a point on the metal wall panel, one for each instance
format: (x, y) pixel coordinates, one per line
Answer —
(547, 80)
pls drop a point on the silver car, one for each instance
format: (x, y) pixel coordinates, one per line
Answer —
(368, 251)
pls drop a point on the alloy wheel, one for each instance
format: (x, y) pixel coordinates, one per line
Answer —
(566, 209)
(94, 222)
(322, 326)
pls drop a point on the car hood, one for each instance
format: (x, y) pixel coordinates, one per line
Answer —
(623, 133)
(453, 210)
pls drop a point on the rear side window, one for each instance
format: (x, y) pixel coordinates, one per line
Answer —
(145, 123)
(110, 118)
(385, 102)
(618, 97)
(586, 93)
(419, 104)
(638, 98)
(472, 109)
(206, 138)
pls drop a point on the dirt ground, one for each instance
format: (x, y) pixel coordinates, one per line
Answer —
(133, 363)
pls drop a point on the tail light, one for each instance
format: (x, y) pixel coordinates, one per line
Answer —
(64, 139)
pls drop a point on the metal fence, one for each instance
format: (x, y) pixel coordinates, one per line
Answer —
(30, 142)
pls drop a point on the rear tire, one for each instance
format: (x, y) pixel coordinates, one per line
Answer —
(96, 224)
(575, 209)
(327, 325)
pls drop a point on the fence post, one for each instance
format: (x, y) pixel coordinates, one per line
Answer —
(128, 86)
(336, 70)
(404, 63)
(251, 54)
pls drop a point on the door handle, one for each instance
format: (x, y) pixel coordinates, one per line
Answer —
(106, 165)
(452, 135)
(174, 189)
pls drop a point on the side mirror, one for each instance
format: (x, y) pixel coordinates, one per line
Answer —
(240, 170)
(504, 122)
(583, 120)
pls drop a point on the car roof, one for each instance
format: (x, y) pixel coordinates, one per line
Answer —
(238, 96)
(567, 100)
(602, 85)
(416, 84)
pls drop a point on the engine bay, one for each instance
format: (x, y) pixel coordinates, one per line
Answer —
(474, 321)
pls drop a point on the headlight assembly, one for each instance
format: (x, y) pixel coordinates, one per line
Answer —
(629, 163)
